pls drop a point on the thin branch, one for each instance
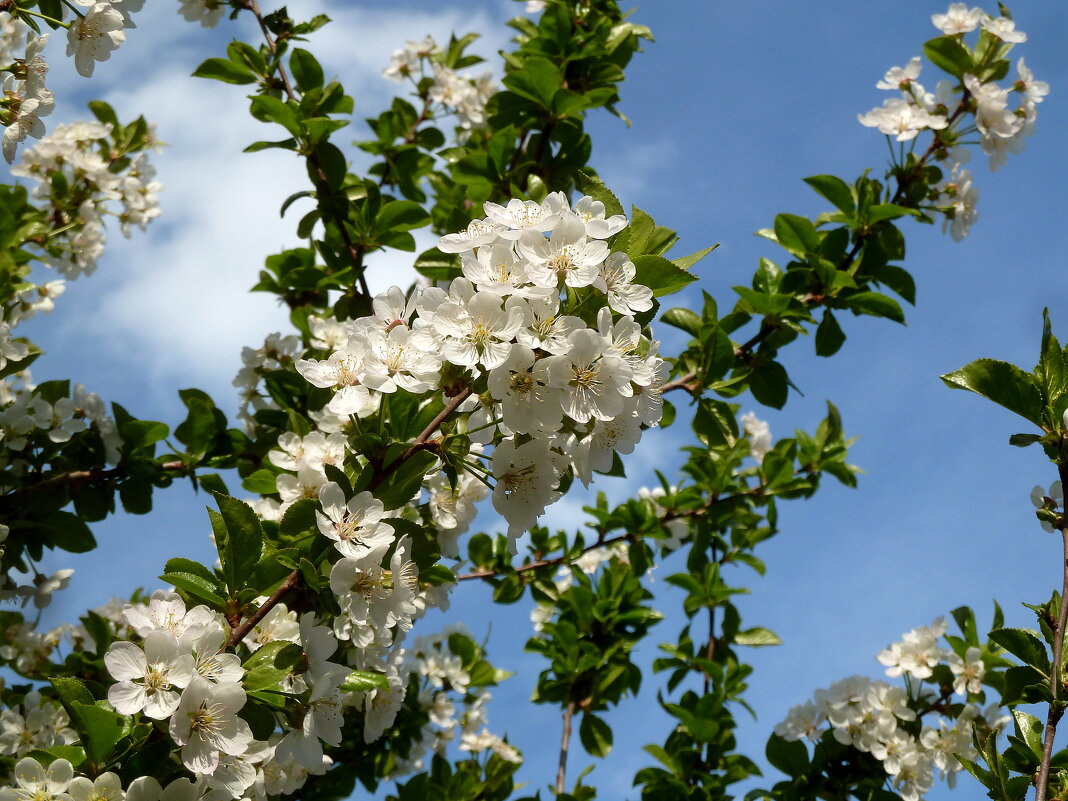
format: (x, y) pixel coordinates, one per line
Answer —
(1056, 707)
(238, 634)
(75, 477)
(565, 739)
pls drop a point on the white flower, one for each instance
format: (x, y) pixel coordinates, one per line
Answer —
(206, 12)
(901, 119)
(147, 679)
(92, 38)
(107, 787)
(759, 433)
(353, 525)
(958, 19)
(592, 213)
(968, 672)
(37, 784)
(567, 257)
(479, 332)
(522, 385)
(594, 382)
(527, 215)
(206, 723)
(615, 277)
(901, 77)
(1055, 494)
(477, 233)
(527, 476)
(1004, 29)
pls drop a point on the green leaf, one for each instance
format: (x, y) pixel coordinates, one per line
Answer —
(757, 637)
(829, 335)
(244, 540)
(687, 262)
(685, 319)
(197, 586)
(770, 385)
(947, 53)
(875, 304)
(661, 275)
(596, 735)
(222, 69)
(101, 729)
(1025, 645)
(1030, 730)
(835, 190)
(306, 70)
(270, 109)
(789, 756)
(270, 664)
(797, 234)
(65, 530)
(1003, 383)
(402, 215)
(359, 681)
(261, 482)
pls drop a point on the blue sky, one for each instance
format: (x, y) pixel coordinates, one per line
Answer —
(731, 107)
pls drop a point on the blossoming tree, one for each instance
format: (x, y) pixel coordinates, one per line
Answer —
(525, 359)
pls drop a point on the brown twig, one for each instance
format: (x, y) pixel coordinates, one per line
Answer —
(1056, 707)
(75, 477)
(565, 740)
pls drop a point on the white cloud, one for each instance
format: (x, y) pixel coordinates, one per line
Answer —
(176, 298)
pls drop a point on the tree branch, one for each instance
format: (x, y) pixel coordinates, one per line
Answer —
(565, 739)
(1056, 707)
(76, 477)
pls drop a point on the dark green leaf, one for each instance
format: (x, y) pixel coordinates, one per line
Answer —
(1003, 383)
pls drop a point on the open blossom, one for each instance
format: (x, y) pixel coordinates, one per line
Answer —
(759, 433)
(901, 77)
(148, 679)
(1004, 29)
(901, 119)
(354, 525)
(958, 19)
(968, 671)
(93, 37)
(206, 724)
(35, 783)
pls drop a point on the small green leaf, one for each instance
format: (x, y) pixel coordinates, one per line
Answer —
(196, 586)
(757, 637)
(359, 681)
(835, 190)
(661, 275)
(1025, 645)
(306, 70)
(596, 735)
(222, 69)
(875, 304)
(685, 319)
(101, 729)
(829, 335)
(797, 234)
(270, 664)
(947, 53)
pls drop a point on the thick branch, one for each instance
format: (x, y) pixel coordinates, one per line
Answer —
(565, 739)
(1056, 708)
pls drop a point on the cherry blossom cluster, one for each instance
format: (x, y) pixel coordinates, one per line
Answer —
(25, 99)
(458, 94)
(93, 181)
(1002, 130)
(455, 710)
(559, 394)
(179, 673)
(277, 352)
(92, 36)
(876, 717)
(36, 723)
